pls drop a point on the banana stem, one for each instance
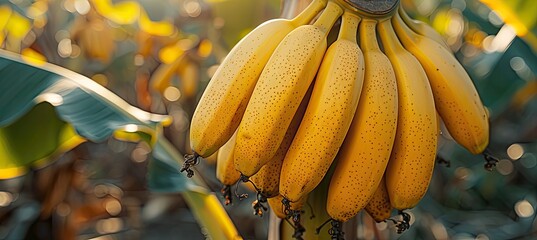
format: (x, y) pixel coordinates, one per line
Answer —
(330, 14)
(190, 161)
(297, 227)
(315, 215)
(398, 22)
(336, 231)
(386, 32)
(421, 28)
(405, 224)
(260, 204)
(406, 19)
(349, 26)
(243, 195)
(226, 193)
(305, 16)
(367, 31)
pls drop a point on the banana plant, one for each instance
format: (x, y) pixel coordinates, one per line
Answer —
(46, 110)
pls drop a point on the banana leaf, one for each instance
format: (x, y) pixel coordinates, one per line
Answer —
(46, 110)
(204, 204)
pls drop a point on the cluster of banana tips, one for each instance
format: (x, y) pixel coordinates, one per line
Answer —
(295, 216)
(285, 105)
(190, 161)
(490, 160)
(226, 193)
(259, 205)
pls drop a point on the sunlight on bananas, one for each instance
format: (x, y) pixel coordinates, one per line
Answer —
(224, 101)
(287, 104)
(279, 91)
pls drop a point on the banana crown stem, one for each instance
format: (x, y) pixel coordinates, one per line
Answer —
(404, 16)
(329, 16)
(408, 34)
(421, 28)
(309, 13)
(368, 37)
(349, 26)
(411, 23)
(390, 41)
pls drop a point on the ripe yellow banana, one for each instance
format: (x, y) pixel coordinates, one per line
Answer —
(455, 96)
(423, 29)
(225, 170)
(275, 203)
(278, 208)
(279, 91)
(379, 207)
(267, 179)
(329, 114)
(224, 101)
(365, 152)
(413, 156)
(290, 211)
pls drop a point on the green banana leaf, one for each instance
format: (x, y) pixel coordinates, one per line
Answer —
(48, 139)
(46, 110)
(204, 204)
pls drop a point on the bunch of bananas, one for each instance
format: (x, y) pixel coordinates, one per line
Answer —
(285, 105)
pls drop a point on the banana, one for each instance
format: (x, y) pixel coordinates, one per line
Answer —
(225, 170)
(291, 212)
(224, 101)
(279, 91)
(423, 29)
(267, 179)
(413, 156)
(329, 114)
(275, 203)
(379, 207)
(278, 208)
(365, 152)
(455, 96)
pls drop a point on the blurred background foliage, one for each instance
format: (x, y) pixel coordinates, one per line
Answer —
(160, 55)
